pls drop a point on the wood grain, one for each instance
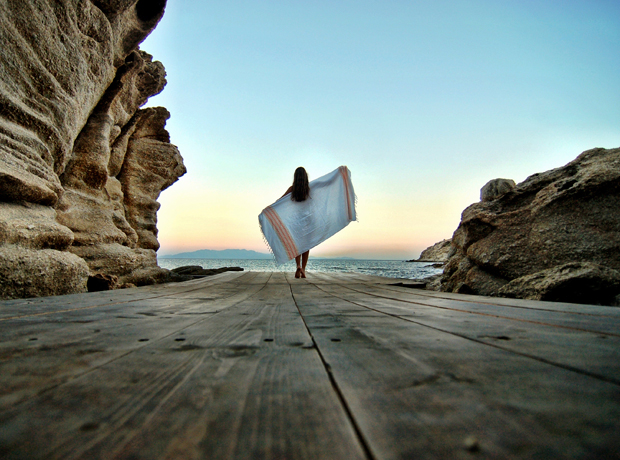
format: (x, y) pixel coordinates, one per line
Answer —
(246, 382)
(265, 366)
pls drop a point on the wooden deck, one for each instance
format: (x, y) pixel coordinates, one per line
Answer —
(261, 365)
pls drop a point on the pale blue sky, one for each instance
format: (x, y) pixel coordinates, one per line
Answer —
(423, 101)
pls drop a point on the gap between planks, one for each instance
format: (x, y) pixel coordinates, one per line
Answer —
(613, 377)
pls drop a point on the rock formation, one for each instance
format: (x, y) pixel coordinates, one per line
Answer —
(190, 272)
(496, 188)
(575, 282)
(439, 252)
(81, 165)
(555, 233)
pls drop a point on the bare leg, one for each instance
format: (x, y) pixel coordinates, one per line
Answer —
(304, 261)
(299, 269)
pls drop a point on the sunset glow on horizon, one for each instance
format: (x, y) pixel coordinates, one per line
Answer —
(424, 102)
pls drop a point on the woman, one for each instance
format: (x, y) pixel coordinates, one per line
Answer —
(300, 191)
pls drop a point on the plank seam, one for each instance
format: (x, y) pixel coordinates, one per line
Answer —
(422, 293)
(335, 386)
(526, 355)
(93, 369)
(101, 305)
(481, 313)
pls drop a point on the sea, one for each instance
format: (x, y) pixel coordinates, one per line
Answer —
(387, 268)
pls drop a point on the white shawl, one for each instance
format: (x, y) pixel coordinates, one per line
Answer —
(292, 228)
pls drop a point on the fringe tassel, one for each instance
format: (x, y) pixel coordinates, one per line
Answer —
(273, 256)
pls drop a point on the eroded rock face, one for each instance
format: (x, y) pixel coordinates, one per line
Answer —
(439, 252)
(496, 188)
(566, 215)
(58, 58)
(29, 273)
(72, 80)
(575, 282)
(151, 165)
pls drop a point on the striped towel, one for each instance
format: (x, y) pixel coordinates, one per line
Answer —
(292, 228)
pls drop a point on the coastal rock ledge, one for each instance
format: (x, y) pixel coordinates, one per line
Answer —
(555, 236)
(81, 165)
(439, 252)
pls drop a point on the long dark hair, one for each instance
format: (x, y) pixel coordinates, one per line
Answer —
(301, 186)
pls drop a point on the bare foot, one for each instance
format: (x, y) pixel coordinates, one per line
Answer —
(303, 273)
(298, 273)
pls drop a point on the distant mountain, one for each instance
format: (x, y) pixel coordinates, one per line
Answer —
(223, 254)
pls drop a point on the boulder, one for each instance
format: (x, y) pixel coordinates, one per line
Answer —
(44, 272)
(439, 252)
(131, 265)
(72, 136)
(575, 282)
(496, 188)
(566, 215)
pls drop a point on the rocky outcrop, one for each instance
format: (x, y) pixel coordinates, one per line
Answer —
(151, 165)
(29, 273)
(564, 216)
(101, 282)
(58, 59)
(190, 272)
(71, 133)
(495, 188)
(439, 252)
(576, 282)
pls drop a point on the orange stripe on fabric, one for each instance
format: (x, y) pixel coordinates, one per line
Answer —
(285, 237)
(275, 223)
(345, 178)
(284, 234)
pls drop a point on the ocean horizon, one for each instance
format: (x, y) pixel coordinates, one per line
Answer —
(386, 268)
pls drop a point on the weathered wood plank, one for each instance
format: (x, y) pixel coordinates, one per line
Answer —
(592, 318)
(515, 303)
(417, 392)
(245, 383)
(230, 370)
(589, 317)
(45, 305)
(43, 351)
(564, 340)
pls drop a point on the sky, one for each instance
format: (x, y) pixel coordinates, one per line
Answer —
(424, 101)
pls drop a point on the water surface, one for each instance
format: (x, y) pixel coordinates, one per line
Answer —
(387, 268)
